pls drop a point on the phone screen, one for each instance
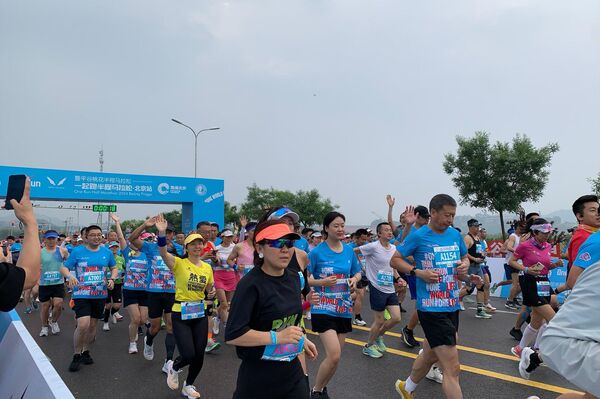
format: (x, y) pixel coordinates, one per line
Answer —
(16, 186)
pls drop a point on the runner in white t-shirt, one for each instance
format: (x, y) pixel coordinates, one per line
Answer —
(382, 294)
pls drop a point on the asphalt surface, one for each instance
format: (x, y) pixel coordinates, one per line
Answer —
(489, 370)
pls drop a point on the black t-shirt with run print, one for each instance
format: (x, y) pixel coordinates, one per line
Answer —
(262, 302)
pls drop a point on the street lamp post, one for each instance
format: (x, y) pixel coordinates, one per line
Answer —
(195, 142)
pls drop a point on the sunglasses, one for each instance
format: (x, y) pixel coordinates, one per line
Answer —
(283, 242)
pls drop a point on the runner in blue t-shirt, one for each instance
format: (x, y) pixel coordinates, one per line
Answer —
(88, 263)
(440, 263)
(334, 271)
(588, 255)
(135, 282)
(161, 291)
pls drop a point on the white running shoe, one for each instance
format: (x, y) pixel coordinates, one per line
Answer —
(308, 315)
(490, 307)
(105, 327)
(118, 316)
(172, 376)
(133, 348)
(165, 369)
(435, 374)
(216, 322)
(44, 332)
(148, 351)
(190, 392)
(113, 318)
(525, 362)
(359, 322)
(54, 327)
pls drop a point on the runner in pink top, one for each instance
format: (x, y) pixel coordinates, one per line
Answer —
(243, 253)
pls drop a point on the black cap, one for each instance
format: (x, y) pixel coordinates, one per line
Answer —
(422, 211)
(473, 222)
(170, 227)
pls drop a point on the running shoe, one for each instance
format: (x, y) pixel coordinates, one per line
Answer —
(359, 322)
(28, 310)
(162, 323)
(516, 334)
(380, 344)
(215, 328)
(408, 338)
(482, 314)
(402, 390)
(510, 305)
(86, 358)
(490, 308)
(105, 327)
(54, 327)
(494, 288)
(114, 318)
(140, 331)
(371, 351)
(319, 395)
(308, 315)
(435, 374)
(44, 332)
(190, 392)
(516, 350)
(525, 362)
(36, 303)
(462, 307)
(132, 348)
(172, 376)
(118, 316)
(75, 363)
(148, 350)
(165, 369)
(212, 345)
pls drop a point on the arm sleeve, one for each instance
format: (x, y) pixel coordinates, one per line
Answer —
(409, 245)
(241, 311)
(12, 280)
(312, 261)
(586, 256)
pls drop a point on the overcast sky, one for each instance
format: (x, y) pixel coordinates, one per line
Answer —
(355, 98)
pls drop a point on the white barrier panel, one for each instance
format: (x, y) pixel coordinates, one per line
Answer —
(557, 277)
(25, 371)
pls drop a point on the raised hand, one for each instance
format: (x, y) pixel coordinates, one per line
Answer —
(390, 200)
(243, 220)
(410, 217)
(150, 222)
(115, 218)
(161, 223)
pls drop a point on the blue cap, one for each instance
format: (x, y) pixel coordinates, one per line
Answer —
(51, 234)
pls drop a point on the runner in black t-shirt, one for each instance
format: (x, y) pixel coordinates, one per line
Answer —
(264, 319)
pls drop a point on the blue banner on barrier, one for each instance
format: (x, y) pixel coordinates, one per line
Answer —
(204, 195)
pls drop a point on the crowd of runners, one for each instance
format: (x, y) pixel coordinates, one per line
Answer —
(264, 285)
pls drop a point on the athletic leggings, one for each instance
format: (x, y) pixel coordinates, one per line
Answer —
(191, 336)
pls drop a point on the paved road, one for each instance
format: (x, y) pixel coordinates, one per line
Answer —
(489, 370)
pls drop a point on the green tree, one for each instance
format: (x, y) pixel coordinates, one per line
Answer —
(308, 204)
(174, 218)
(232, 216)
(500, 176)
(596, 184)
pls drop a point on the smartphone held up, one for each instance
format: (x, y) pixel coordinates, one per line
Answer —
(15, 189)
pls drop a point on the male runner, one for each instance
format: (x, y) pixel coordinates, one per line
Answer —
(89, 263)
(52, 286)
(440, 262)
(476, 259)
(361, 237)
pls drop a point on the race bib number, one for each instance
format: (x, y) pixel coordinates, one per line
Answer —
(543, 288)
(447, 256)
(52, 276)
(335, 300)
(385, 278)
(93, 278)
(192, 310)
(283, 352)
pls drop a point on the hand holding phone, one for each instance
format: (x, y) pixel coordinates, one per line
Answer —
(15, 189)
(538, 267)
(19, 199)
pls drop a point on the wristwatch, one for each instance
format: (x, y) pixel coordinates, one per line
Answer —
(413, 272)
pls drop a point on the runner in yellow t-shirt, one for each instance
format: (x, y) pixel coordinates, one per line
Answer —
(193, 278)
